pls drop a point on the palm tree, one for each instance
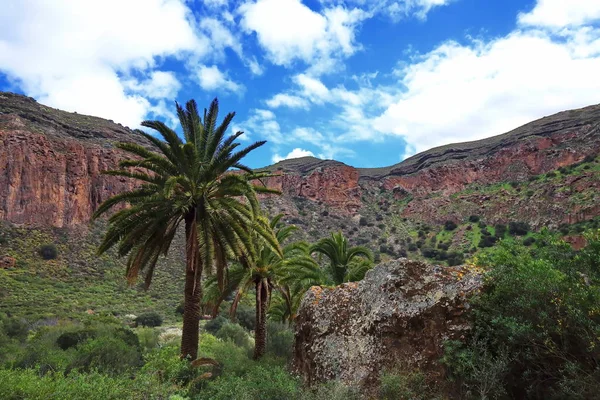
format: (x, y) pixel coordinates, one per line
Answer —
(185, 182)
(268, 270)
(346, 263)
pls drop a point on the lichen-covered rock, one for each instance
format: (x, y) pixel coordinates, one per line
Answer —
(400, 314)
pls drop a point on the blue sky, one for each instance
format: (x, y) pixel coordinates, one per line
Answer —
(366, 82)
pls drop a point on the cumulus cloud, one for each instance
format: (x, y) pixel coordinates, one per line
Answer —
(296, 153)
(395, 9)
(290, 31)
(561, 13)
(63, 54)
(212, 79)
(287, 100)
(458, 93)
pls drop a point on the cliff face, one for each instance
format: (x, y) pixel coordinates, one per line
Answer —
(50, 163)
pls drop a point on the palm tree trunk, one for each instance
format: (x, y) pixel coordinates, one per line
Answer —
(192, 291)
(260, 331)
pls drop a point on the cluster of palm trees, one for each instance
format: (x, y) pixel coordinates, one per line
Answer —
(231, 246)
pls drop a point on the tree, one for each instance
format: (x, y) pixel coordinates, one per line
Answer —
(184, 182)
(346, 263)
(271, 265)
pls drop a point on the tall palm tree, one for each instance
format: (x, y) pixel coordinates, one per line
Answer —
(185, 182)
(345, 263)
(267, 270)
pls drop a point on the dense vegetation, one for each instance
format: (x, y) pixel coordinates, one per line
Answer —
(197, 231)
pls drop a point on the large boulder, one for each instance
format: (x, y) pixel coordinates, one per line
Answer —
(400, 314)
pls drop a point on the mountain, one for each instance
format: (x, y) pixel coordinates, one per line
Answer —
(542, 174)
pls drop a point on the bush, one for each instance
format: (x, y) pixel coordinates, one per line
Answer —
(33, 385)
(500, 230)
(235, 333)
(109, 355)
(455, 258)
(404, 385)
(518, 228)
(212, 326)
(261, 381)
(363, 221)
(48, 252)
(246, 316)
(148, 338)
(529, 241)
(150, 319)
(538, 316)
(487, 241)
(474, 218)
(450, 225)
(73, 338)
(551, 174)
(14, 327)
(280, 340)
(412, 247)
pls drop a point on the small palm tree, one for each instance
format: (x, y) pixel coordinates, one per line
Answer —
(346, 263)
(265, 271)
(185, 182)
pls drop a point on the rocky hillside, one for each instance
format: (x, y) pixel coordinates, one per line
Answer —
(545, 173)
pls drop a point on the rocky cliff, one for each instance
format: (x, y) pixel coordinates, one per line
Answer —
(50, 163)
(397, 317)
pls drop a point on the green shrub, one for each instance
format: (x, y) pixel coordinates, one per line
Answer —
(529, 241)
(48, 252)
(150, 319)
(108, 355)
(455, 258)
(33, 385)
(73, 338)
(246, 316)
(501, 230)
(236, 333)
(260, 382)
(14, 327)
(518, 228)
(212, 326)
(280, 339)
(539, 315)
(148, 338)
(474, 218)
(363, 221)
(403, 384)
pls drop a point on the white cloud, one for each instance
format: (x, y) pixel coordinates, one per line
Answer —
(63, 54)
(287, 100)
(296, 153)
(212, 79)
(562, 13)
(289, 30)
(458, 93)
(216, 3)
(395, 9)
(220, 37)
(255, 68)
(159, 85)
(312, 88)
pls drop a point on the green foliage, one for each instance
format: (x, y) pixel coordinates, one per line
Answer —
(341, 256)
(215, 324)
(260, 381)
(14, 327)
(280, 340)
(405, 384)
(363, 221)
(235, 333)
(474, 218)
(540, 317)
(148, 338)
(151, 319)
(518, 228)
(48, 252)
(450, 225)
(33, 385)
(108, 355)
